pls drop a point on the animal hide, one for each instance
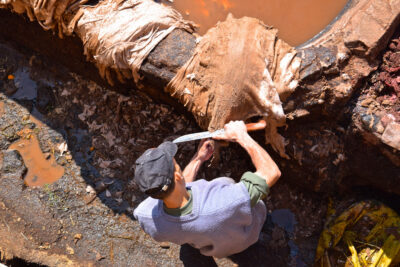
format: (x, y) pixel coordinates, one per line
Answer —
(116, 34)
(239, 70)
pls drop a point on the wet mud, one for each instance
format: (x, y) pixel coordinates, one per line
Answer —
(297, 21)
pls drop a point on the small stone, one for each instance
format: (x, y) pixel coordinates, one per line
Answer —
(165, 245)
(25, 117)
(90, 190)
(379, 128)
(365, 103)
(70, 250)
(100, 186)
(301, 113)
(58, 110)
(77, 237)
(387, 119)
(99, 257)
(391, 135)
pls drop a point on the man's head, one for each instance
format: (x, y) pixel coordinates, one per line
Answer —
(156, 170)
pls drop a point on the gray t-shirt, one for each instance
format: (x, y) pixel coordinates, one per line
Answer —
(222, 221)
(256, 186)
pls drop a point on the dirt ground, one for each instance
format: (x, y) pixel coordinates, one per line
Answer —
(95, 134)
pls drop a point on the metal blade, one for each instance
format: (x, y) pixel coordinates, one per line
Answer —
(197, 136)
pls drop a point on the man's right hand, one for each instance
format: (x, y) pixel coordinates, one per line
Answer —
(234, 131)
(265, 166)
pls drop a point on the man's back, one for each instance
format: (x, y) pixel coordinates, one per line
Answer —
(222, 221)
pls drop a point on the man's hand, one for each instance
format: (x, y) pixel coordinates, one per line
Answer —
(234, 131)
(265, 166)
(204, 153)
(205, 150)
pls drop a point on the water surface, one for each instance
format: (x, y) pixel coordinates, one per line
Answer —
(297, 20)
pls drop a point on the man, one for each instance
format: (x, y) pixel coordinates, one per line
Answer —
(219, 217)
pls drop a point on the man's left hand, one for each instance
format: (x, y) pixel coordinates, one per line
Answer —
(205, 150)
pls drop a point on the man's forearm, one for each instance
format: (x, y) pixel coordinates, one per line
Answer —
(191, 170)
(264, 164)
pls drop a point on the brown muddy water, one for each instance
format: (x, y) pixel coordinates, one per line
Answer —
(42, 169)
(297, 20)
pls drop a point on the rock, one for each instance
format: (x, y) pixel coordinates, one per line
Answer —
(70, 250)
(77, 237)
(165, 245)
(13, 163)
(391, 135)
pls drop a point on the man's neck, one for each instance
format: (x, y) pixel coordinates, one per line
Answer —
(177, 199)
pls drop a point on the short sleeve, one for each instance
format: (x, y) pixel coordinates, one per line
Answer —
(256, 186)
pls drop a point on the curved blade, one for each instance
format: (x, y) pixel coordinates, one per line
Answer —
(197, 136)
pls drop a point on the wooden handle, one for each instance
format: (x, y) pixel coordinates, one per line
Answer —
(256, 125)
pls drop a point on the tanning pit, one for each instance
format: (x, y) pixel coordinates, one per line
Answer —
(342, 134)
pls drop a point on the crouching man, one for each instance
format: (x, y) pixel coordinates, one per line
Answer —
(219, 217)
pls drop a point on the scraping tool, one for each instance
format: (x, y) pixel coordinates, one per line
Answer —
(195, 136)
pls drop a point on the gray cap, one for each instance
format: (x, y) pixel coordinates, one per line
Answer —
(155, 169)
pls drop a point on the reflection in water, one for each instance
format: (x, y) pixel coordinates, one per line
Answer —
(297, 20)
(41, 169)
(27, 88)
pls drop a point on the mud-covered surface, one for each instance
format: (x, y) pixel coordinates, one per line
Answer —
(95, 135)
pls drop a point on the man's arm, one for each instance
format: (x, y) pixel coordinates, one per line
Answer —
(203, 154)
(235, 131)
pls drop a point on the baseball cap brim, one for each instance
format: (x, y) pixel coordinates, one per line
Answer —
(169, 148)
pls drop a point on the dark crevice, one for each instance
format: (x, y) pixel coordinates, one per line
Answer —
(18, 262)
